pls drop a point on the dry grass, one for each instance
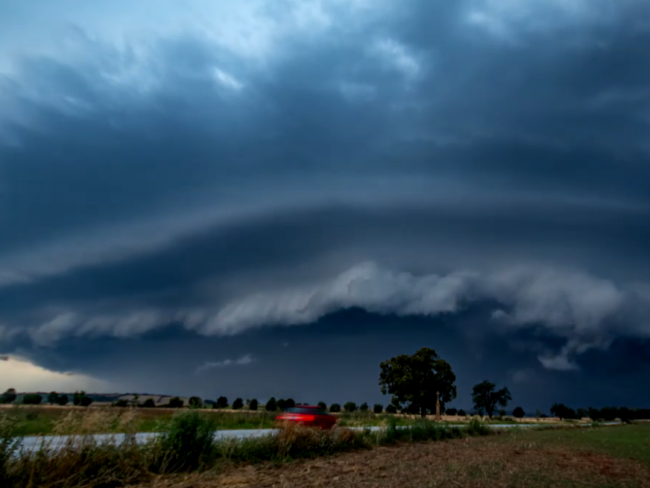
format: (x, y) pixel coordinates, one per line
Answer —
(527, 459)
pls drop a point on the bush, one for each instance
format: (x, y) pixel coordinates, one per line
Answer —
(476, 427)
(32, 399)
(53, 398)
(85, 401)
(518, 413)
(175, 403)
(63, 400)
(237, 404)
(121, 403)
(281, 404)
(378, 408)
(271, 405)
(322, 405)
(253, 404)
(289, 403)
(451, 411)
(462, 413)
(364, 407)
(9, 396)
(195, 402)
(222, 402)
(77, 396)
(187, 444)
(335, 408)
(391, 409)
(350, 407)
(149, 403)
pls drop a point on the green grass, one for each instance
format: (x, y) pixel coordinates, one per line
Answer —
(623, 441)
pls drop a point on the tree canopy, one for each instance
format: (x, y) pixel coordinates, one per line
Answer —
(487, 397)
(414, 380)
(518, 412)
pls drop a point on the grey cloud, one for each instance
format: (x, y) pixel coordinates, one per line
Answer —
(242, 361)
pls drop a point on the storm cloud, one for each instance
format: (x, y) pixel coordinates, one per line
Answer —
(232, 171)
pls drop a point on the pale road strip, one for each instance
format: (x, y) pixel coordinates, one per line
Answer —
(54, 443)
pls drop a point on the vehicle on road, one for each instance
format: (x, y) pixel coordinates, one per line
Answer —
(308, 416)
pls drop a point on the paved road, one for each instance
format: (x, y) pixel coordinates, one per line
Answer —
(57, 442)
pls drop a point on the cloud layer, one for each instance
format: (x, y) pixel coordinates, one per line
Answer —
(225, 167)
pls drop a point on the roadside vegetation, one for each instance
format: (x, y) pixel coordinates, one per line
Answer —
(187, 445)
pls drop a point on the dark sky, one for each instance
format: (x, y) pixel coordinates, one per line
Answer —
(268, 198)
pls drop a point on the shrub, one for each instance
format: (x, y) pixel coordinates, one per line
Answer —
(462, 413)
(350, 407)
(271, 405)
(9, 396)
(121, 403)
(195, 402)
(63, 400)
(187, 444)
(335, 408)
(364, 407)
(476, 427)
(237, 404)
(77, 396)
(281, 404)
(175, 402)
(451, 411)
(85, 401)
(53, 398)
(32, 399)
(322, 405)
(391, 409)
(518, 412)
(378, 408)
(253, 404)
(222, 402)
(289, 403)
(149, 403)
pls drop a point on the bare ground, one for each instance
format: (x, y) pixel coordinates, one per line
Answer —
(500, 461)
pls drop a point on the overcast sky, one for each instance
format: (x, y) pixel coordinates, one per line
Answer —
(267, 198)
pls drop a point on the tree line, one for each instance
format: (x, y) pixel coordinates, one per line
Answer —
(79, 398)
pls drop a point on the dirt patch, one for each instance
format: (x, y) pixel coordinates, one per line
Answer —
(466, 463)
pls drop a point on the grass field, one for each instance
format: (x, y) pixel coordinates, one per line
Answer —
(604, 457)
(105, 420)
(43, 420)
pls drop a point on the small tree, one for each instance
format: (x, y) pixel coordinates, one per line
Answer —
(85, 401)
(462, 413)
(77, 396)
(451, 411)
(237, 404)
(122, 403)
(253, 404)
(364, 407)
(518, 412)
(195, 402)
(487, 397)
(289, 403)
(53, 398)
(63, 399)
(582, 413)
(9, 396)
(281, 404)
(32, 399)
(350, 407)
(271, 405)
(149, 403)
(391, 409)
(562, 411)
(222, 402)
(322, 405)
(502, 412)
(378, 408)
(335, 408)
(175, 402)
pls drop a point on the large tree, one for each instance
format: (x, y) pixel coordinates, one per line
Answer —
(414, 381)
(9, 396)
(487, 397)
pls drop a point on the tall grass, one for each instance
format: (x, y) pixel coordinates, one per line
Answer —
(187, 445)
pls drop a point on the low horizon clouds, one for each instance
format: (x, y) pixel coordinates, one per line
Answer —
(242, 361)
